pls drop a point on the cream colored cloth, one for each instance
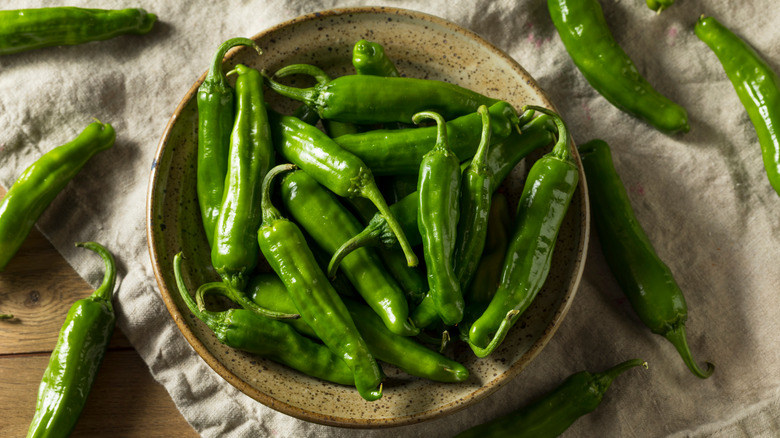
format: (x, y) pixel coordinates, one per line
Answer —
(702, 197)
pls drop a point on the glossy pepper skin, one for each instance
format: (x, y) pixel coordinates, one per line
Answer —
(234, 252)
(550, 416)
(757, 86)
(608, 69)
(401, 351)
(369, 58)
(216, 101)
(329, 223)
(400, 151)
(503, 156)
(438, 212)
(474, 204)
(42, 181)
(644, 278)
(285, 248)
(367, 99)
(546, 196)
(28, 29)
(339, 170)
(76, 358)
(244, 330)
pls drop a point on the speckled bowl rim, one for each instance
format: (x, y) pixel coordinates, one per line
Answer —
(304, 414)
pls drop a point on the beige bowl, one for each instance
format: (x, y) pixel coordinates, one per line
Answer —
(422, 46)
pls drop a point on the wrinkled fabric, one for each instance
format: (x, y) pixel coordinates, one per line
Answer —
(702, 197)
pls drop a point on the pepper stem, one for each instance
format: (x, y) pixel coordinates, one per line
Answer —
(479, 162)
(355, 242)
(441, 128)
(605, 378)
(503, 329)
(209, 318)
(215, 72)
(305, 95)
(307, 69)
(105, 291)
(239, 298)
(677, 337)
(561, 150)
(372, 193)
(270, 212)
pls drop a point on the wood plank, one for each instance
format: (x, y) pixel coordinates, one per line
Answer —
(124, 402)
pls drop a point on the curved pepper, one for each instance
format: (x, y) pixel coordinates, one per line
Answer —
(757, 86)
(608, 69)
(42, 181)
(437, 219)
(550, 416)
(28, 29)
(644, 278)
(77, 357)
(285, 248)
(367, 99)
(330, 224)
(546, 196)
(234, 251)
(503, 156)
(335, 168)
(216, 99)
(244, 330)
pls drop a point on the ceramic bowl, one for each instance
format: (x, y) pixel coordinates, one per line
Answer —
(421, 46)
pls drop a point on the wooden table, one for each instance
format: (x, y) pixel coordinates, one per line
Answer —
(38, 287)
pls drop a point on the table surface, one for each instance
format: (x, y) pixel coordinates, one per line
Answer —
(38, 287)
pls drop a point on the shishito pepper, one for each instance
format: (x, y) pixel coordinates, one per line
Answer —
(342, 172)
(330, 224)
(42, 181)
(368, 99)
(644, 278)
(438, 212)
(549, 416)
(27, 29)
(76, 358)
(546, 196)
(286, 250)
(244, 330)
(234, 252)
(216, 100)
(756, 84)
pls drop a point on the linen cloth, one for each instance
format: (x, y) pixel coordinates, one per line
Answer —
(703, 198)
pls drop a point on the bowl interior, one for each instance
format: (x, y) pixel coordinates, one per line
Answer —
(421, 46)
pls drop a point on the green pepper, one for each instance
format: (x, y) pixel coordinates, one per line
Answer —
(369, 58)
(329, 223)
(28, 29)
(400, 151)
(266, 290)
(234, 252)
(550, 416)
(608, 69)
(335, 168)
(757, 86)
(216, 99)
(438, 189)
(77, 357)
(659, 5)
(644, 278)
(285, 249)
(247, 331)
(503, 156)
(367, 99)
(487, 276)
(42, 181)
(546, 196)
(475, 197)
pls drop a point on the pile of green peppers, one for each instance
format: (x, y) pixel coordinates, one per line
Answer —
(305, 199)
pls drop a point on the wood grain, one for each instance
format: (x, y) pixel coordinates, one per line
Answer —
(38, 287)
